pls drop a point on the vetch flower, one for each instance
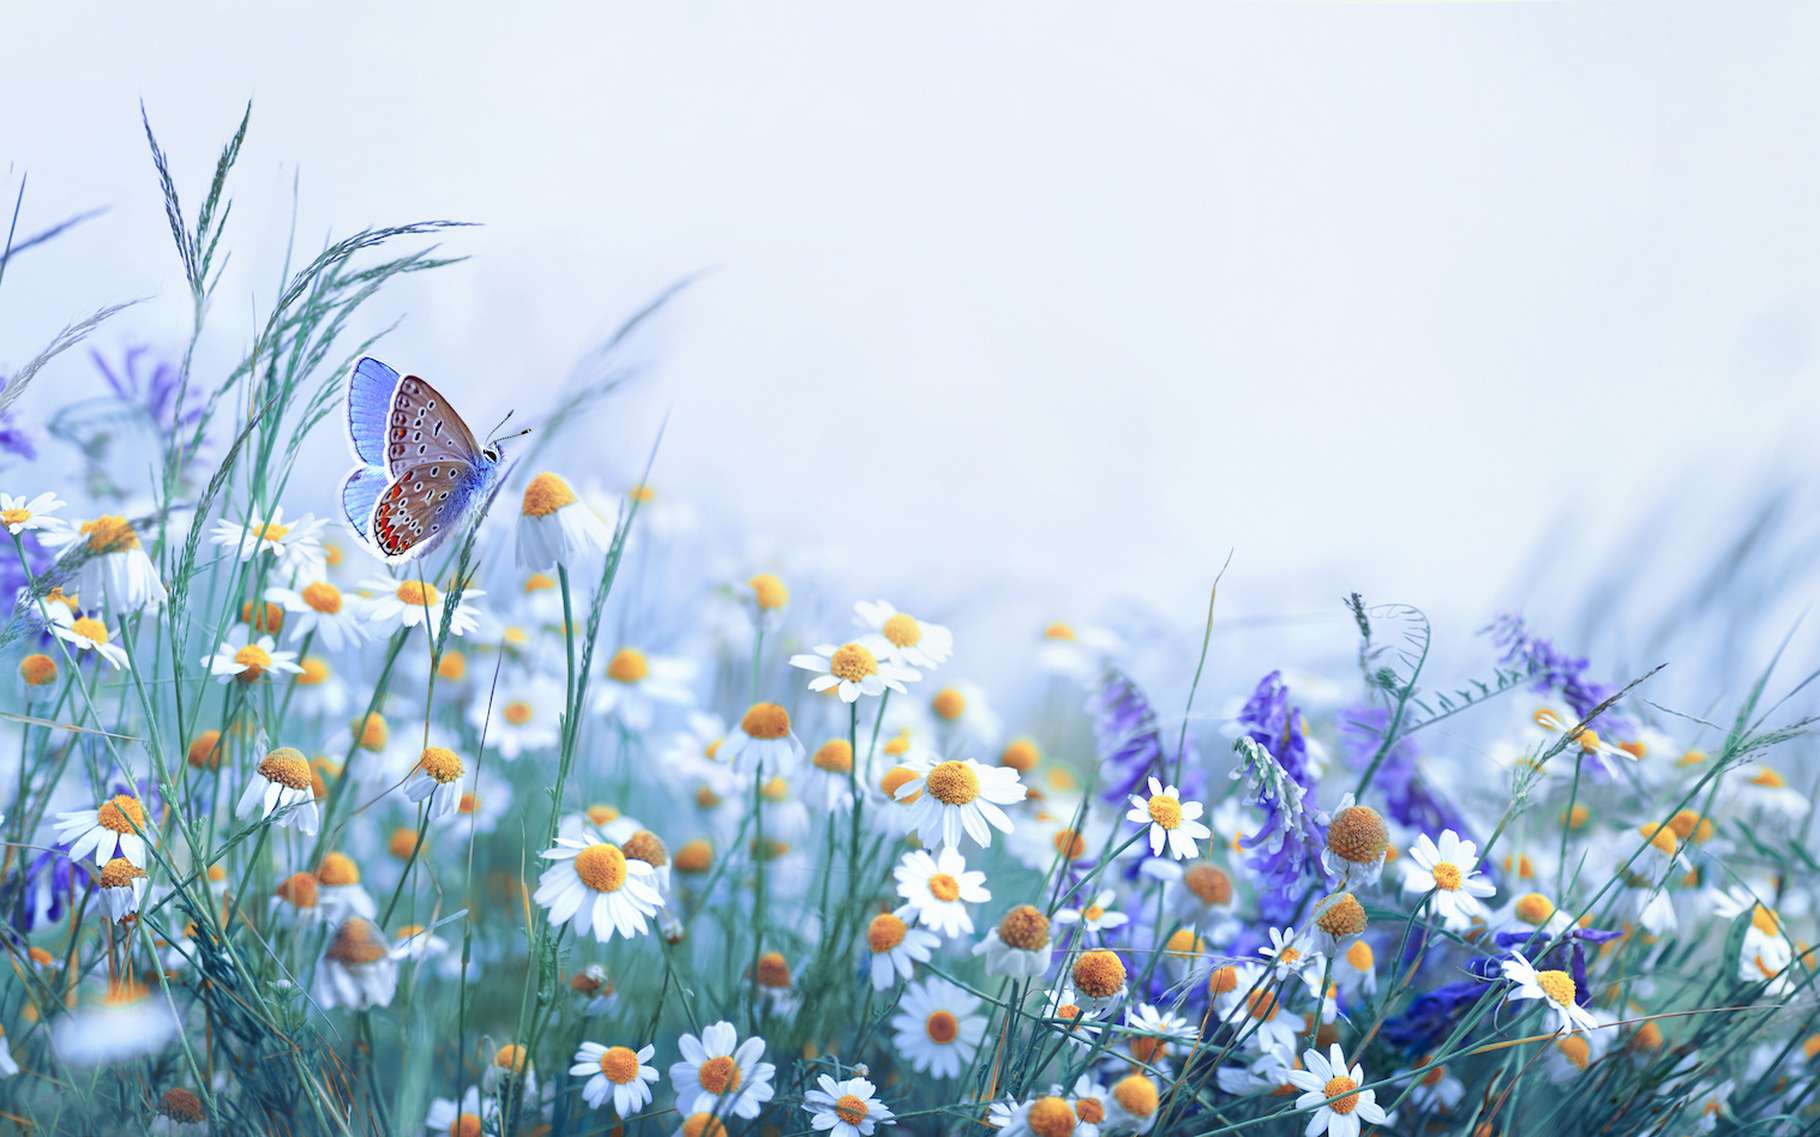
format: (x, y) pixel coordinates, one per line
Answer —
(1171, 820)
(597, 889)
(281, 784)
(720, 1075)
(1554, 988)
(937, 889)
(846, 1108)
(951, 797)
(618, 1072)
(854, 669)
(556, 528)
(1328, 1077)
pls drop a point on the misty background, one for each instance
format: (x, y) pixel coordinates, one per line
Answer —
(1043, 308)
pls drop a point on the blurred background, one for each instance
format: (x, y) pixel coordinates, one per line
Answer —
(1047, 307)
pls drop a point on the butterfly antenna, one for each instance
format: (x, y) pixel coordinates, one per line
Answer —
(493, 435)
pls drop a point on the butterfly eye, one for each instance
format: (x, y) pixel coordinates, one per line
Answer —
(491, 453)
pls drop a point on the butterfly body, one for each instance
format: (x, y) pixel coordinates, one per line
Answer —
(418, 472)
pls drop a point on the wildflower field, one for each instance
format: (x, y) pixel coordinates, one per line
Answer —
(376, 804)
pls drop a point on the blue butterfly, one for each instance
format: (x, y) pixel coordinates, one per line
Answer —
(418, 468)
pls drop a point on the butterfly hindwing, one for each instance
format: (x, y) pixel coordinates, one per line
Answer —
(360, 490)
(423, 427)
(421, 506)
(370, 389)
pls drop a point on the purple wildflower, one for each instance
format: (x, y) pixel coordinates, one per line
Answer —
(1288, 845)
(1408, 797)
(1554, 669)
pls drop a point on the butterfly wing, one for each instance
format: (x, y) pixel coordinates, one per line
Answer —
(422, 506)
(423, 429)
(360, 490)
(370, 388)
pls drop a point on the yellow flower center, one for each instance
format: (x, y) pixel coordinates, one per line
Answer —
(642, 494)
(942, 1027)
(1099, 974)
(1262, 1005)
(253, 661)
(322, 596)
(269, 531)
(417, 594)
(181, 1105)
(1024, 928)
(1223, 980)
(903, 630)
(372, 732)
(1768, 779)
(1575, 1049)
(850, 1109)
(895, 779)
(538, 582)
(1447, 876)
(1209, 883)
(338, 870)
(90, 629)
(1020, 754)
(1341, 1087)
(205, 750)
(1289, 955)
(517, 712)
(1358, 835)
(835, 756)
(121, 814)
(944, 887)
(38, 670)
(695, 856)
(441, 764)
(1166, 811)
(1069, 843)
(602, 867)
(703, 1125)
(1765, 920)
(952, 783)
(287, 766)
(453, 666)
(1360, 956)
(1183, 943)
(766, 722)
(1343, 916)
(1092, 912)
(884, 932)
(110, 534)
(298, 889)
(1058, 631)
(1136, 1094)
(628, 665)
(1534, 909)
(315, 671)
(619, 1064)
(546, 494)
(1049, 1117)
(948, 704)
(719, 1075)
(1557, 985)
(772, 970)
(1091, 1110)
(15, 516)
(118, 873)
(511, 1057)
(852, 663)
(466, 1125)
(356, 942)
(768, 592)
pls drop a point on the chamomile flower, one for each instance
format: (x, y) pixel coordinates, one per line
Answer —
(597, 889)
(1155, 1034)
(937, 889)
(1436, 1090)
(616, 1072)
(339, 890)
(965, 715)
(1358, 842)
(415, 943)
(1249, 1000)
(122, 887)
(952, 797)
(1096, 916)
(1019, 947)
(469, 1117)
(1047, 1116)
(766, 597)
(1356, 968)
(131, 1021)
(436, 781)
(1131, 1104)
(1171, 820)
(243, 659)
(637, 685)
(894, 948)
(391, 605)
(114, 828)
(1099, 979)
(9, 1068)
(855, 669)
(1533, 911)
(1450, 871)
(846, 1108)
(937, 1028)
(114, 566)
(1075, 650)
(319, 609)
(86, 633)
(1554, 988)
(1327, 1077)
(908, 642)
(555, 528)
(721, 1075)
(297, 546)
(281, 784)
(19, 514)
(356, 969)
(180, 1114)
(829, 782)
(762, 742)
(526, 716)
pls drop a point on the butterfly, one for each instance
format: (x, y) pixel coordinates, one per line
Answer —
(419, 470)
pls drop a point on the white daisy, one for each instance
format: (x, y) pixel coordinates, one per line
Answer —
(85, 633)
(937, 1028)
(950, 797)
(1328, 1077)
(845, 1109)
(243, 659)
(1050, 1115)
(556, 528)
(17, 514)
(1076, 650)
(1291, 953)
(618, 1072)
(1020, 946)
(281, 784)
(855, 669)
(1172, 821)
(437, 780)
(112, 829)
(1250, 1001)
(356, 969)
(965, 715)
(395, 604)
(1155, 1035)
(131, 1021)
(895, 948)
(1131, 1104)
(1554, 988)
(1095, 917)
(113, 565)
(297, 546)
(762, 742)
(720, 1075)
(526, 715)
(319, 608)
(907, 641)
(597, 889)
(122, 885)
(1449, 871)
(938, 889)
(471, 1115)
(637, 685)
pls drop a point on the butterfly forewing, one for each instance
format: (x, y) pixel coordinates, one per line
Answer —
(370, 389)
(424, 428)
